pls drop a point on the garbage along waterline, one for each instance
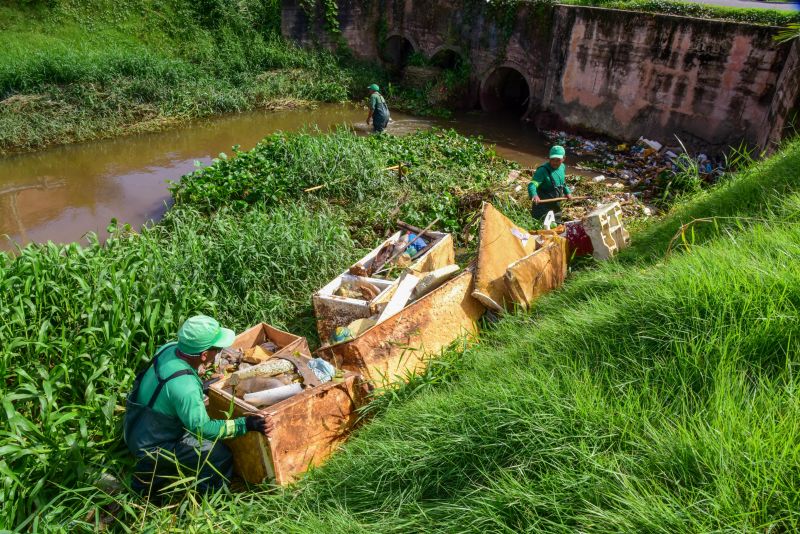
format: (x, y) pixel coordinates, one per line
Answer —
(60, 194)
(268, 397)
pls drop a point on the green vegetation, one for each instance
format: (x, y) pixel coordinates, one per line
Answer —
(76, 71)
(656, 393)
(78, 322)
(789, 33)
(772, 17)
(444, 174)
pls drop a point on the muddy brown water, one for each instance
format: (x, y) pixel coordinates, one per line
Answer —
(61, 194)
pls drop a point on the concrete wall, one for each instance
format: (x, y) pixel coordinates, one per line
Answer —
(783, 116)
(614, 72)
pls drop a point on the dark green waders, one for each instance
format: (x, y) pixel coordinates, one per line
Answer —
(380, 116)
(539, 211)
(164, 450)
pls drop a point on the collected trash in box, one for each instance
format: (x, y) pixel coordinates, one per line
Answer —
(368, 287)
(312, 408)
(391, 349)
(515, 266)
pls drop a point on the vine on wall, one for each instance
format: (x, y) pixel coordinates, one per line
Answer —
(330, 13)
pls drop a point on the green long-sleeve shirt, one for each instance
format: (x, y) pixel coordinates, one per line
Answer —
(182, 397)
(541, 183)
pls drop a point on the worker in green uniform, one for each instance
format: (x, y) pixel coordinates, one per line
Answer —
(549, 181)
(378, 110)
(166, 423)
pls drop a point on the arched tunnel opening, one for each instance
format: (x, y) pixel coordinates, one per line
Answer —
(505, 89)
(395, 53)
(447, 59)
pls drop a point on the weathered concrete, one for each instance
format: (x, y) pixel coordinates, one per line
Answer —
(620, 73)
(783, 115)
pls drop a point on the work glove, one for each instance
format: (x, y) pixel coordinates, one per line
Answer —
(255, 423)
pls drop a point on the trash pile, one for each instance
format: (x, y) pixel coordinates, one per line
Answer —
(392, 257)
(261, 378)
(405, 267)
(645, 168)
(380, 322)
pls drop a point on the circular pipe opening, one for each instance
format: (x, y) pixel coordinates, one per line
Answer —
(447, 59)
(395, 53)
(505, 89)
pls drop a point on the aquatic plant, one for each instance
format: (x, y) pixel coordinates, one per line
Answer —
(356, 171)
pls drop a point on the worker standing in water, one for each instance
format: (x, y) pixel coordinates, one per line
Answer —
(166, 423)
(378, 110)
(549, 181)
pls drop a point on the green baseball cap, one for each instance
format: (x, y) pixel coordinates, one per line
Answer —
(557, 152)
(202, 332)
(374, 87)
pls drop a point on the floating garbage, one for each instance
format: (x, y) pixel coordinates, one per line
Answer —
(646, 166)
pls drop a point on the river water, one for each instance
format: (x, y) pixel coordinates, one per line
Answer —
(60, 194)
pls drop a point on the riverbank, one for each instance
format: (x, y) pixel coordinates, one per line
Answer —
(86, 70)
(73, 71)
(639, 413)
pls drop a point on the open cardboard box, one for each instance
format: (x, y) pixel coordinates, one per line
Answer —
(308, 426)
(515, 267)
(401, 346)
(333, 310)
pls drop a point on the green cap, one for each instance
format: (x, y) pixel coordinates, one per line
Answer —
(557, 152)
(374, 87)
(202, 332)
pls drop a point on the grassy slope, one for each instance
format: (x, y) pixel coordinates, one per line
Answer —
(657, 397)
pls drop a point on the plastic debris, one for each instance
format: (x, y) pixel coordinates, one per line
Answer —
(645, 168)
(655, 145)
(269, 397)
(549, 220)
(324, 371)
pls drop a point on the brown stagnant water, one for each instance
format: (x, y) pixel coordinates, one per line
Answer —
(61, 194)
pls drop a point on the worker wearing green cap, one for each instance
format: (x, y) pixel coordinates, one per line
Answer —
(378, 110)
(549, 181)
(166, 425)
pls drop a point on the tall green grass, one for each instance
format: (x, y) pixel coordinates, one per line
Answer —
(78, 322)
(76, 71)
(645, 395)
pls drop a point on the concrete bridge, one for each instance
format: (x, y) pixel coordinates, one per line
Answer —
(614, 72)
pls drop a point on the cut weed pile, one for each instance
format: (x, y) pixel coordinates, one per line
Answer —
(643, 396)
